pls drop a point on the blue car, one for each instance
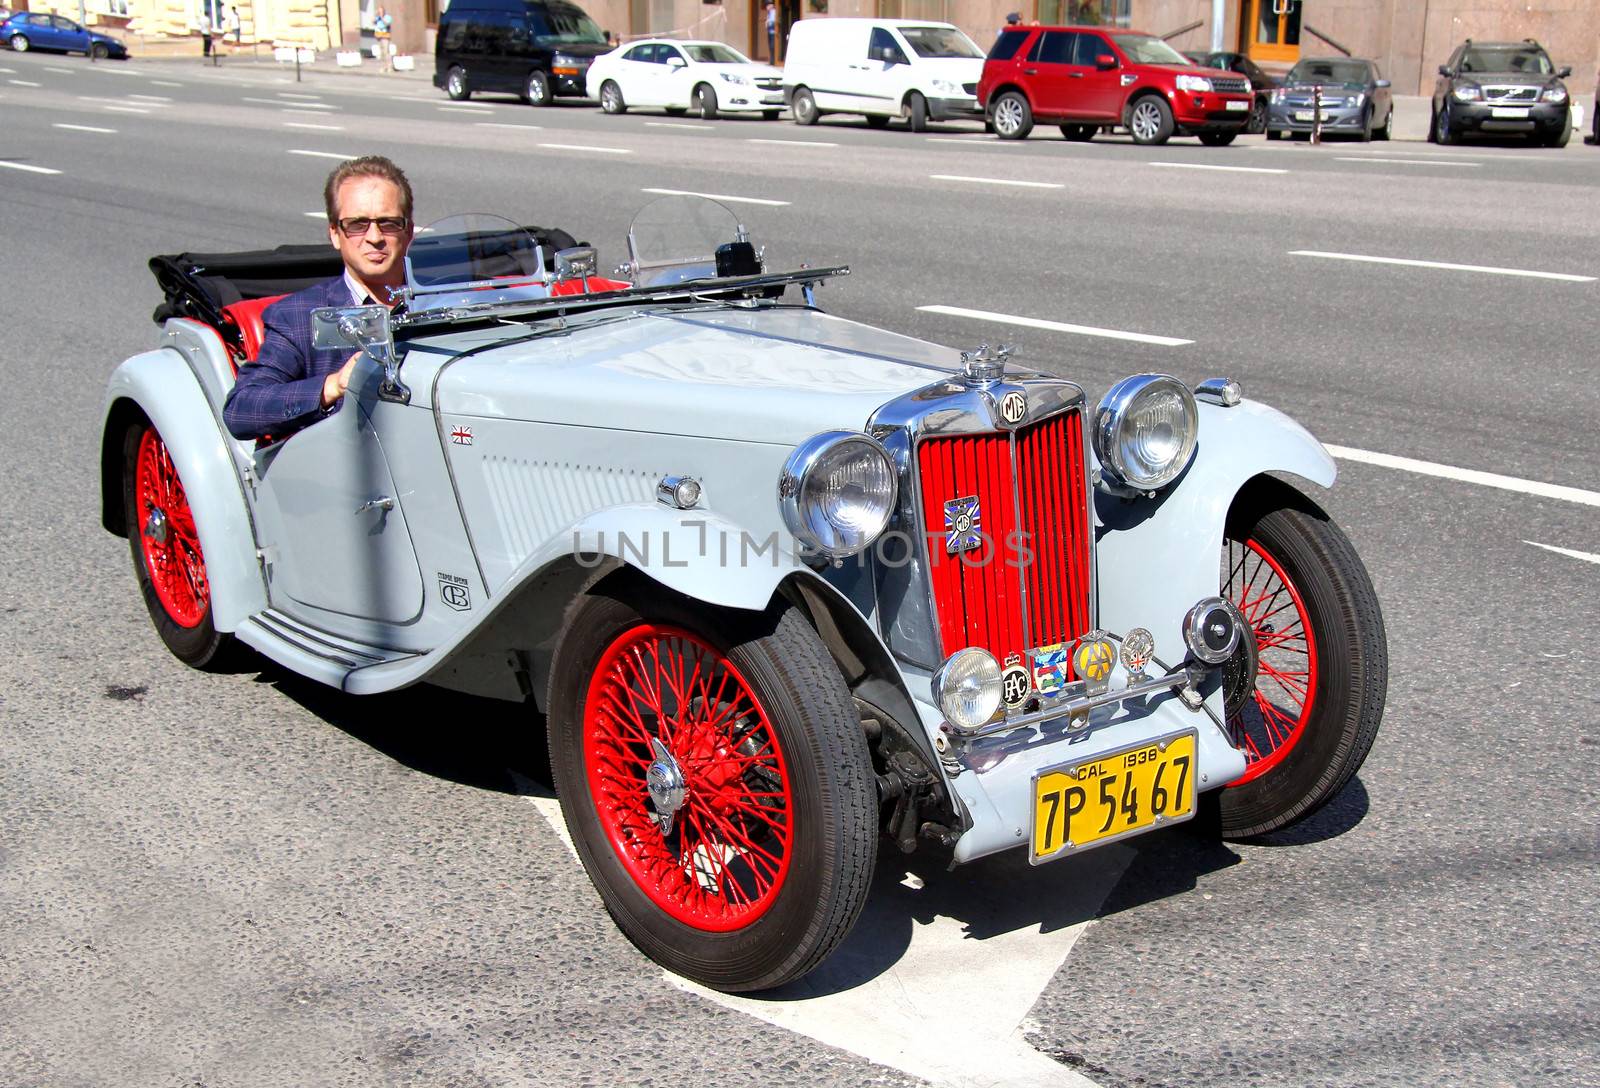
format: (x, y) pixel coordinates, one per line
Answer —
(38, 30)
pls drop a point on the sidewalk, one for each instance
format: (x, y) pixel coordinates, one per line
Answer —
(262, 63)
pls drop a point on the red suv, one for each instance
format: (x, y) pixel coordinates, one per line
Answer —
(1084, 78)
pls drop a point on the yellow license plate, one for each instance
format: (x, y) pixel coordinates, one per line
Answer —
(1096, 801)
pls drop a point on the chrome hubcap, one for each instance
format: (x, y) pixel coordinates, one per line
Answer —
(155, 526)
(1145, 121)
(1008, 117)
(664, 780)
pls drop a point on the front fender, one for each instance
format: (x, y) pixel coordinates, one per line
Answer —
(161, 385)
(1156, 557)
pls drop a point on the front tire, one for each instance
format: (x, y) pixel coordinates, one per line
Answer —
(1443, 131)
(1387, 131)
(916, 111)
(705, 102)
(611, 100)
(804, 107)
(1563, 135)
(99, 51)
(455, 84)
(1013, 117)
(1150, 121)
(536, 91)
(743, 731)
(167, 560)
(1305, 694)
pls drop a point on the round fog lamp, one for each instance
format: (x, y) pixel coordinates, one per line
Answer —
(967, 688)
(1212, 630)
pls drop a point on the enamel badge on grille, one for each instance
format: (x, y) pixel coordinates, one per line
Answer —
(1092, 661)
(963, 525)
(1014, 683)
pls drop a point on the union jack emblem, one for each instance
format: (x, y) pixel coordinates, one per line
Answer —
(461, 436)
(963, 525)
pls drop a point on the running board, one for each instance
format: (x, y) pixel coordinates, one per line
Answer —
(310, 652)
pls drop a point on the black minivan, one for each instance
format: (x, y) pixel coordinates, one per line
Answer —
(535, 48)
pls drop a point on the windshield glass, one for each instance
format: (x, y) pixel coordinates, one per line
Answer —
(1521, 59)
(676, 238)
(1143, 49)
(473, 249)
(939, 41)
(714, 53)
(561, 23)
(1328, 71)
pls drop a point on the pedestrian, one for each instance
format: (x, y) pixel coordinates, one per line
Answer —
(383, 29)
(1012, 19)
(612, 41)
(772, 32)
(235, 27)
(205, 31)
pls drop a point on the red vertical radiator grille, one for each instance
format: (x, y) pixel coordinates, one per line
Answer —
(1028, 586)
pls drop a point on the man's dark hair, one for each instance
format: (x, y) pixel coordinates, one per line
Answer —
(367, 166)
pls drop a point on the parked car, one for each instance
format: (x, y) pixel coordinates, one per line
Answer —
(539, 49)
(1262, 82)
(1501, 89)
(1353, 96)
(1594, 135)
(780, 583)
(1085, 78)
(36, 30)
(881, 69)
(707, 77)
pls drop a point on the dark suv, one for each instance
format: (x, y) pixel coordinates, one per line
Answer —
(535, 48)
(1084, 78)
(1501, 88)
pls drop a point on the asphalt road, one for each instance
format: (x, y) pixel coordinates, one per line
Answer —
(247, 879)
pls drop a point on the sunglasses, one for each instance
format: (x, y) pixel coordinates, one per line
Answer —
(357, 227)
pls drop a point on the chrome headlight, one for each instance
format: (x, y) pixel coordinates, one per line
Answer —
(1145, 430)
(1467, 93)
(967, 688)
(837, 491)
(1193, 83)
(734, 77)
(945, 86)
(1554, 94)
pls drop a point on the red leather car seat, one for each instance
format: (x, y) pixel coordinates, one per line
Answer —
(243, 319)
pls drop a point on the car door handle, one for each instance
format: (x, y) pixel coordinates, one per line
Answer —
(1030, 71)
(382, 502)
(1075, 75)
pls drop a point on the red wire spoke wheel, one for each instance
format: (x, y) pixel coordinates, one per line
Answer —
(1305, 692)
(167, 558)
(1270, 718)
(664, 700)
(715, 778)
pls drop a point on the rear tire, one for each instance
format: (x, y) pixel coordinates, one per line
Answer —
(536, 91)
(1305, 694)
(611, 100)
(804, 107)
(1366, 127)
(1150, 121)
(704, 101)
(455, 84)
(1258, 118)
(768, 860)
(1013, 117)
(167, 561)
(20, 43)
(916, 112)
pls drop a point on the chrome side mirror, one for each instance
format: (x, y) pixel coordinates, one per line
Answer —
(368, 330)
(576, 263)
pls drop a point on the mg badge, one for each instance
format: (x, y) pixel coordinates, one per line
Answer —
(1138, 647)
(1013, 408)
(963, 525)
(1092, 661)
(1015, 686)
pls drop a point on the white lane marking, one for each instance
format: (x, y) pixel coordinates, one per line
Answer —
(146, 104)
(720, 196)
(307, 124)
(299, 106)
(1409, 162)
(24, 83)
(1568, 277)
(27, 167)
(506, 124)
(479, 110)
(291, 94)
(125, 109)
(165, 83)
(316, 215)
(340, 155)
(83, 128)
(1468, 475)
(9, 71)
(676, 124)
(1588, 557)
(150, 98)
(1230, 169)
(1056, 326)
(998, 181)
(63, 71)
(589, 147)
(899, 1016)
(982, 141)
(791, 143)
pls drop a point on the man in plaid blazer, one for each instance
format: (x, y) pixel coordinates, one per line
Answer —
(292, 384)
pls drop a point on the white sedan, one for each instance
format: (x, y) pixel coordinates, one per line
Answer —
(707, 77)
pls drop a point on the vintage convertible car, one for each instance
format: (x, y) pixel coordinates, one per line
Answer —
(782, 585)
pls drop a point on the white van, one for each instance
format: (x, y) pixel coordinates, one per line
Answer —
(882, 68)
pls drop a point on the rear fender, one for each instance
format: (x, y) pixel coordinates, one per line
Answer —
(160, 386)
(1157, 557)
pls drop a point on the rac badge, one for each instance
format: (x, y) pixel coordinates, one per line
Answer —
(963, 525)
(1015, 686)
(1092, 661)
(1013, 407)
